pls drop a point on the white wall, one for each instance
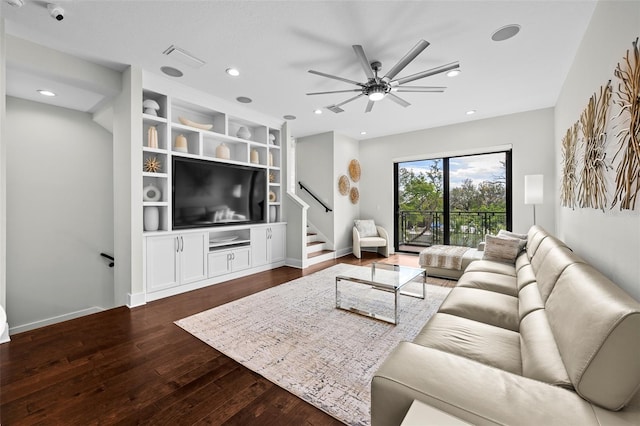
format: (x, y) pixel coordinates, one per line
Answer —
(345, 212)
(59, 214)
(610, 240)
(314, 168)
(530, 134)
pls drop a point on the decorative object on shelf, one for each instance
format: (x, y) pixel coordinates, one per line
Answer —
(272, 197)
(354, 170)
(273, 214)
(243, 133)
(627, 180)
(151, 218)
(152, 137)
(354, 195)
(270, 159)
(181, 144)
(272, 138)
(343, 185)
(569, 174)
(152, 165)
(151, 193)
(592, 187)
(272, 177)
(190, 123)
(150, 107)
(255, 156)
(223, 152)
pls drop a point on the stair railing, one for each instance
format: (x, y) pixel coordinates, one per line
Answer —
(327, 209)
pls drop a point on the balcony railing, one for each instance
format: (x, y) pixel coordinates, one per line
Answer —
(426, 228)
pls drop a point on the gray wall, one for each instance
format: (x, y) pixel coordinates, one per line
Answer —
(345, 212)
(530, 134)
(59, 214)
(609, 239)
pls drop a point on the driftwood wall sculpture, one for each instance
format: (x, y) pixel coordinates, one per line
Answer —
(592, 187)
(569, 173)
(628, 98)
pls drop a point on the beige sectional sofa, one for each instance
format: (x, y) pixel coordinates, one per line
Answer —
(547, 340)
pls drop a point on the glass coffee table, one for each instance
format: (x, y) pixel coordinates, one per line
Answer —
(380, 276)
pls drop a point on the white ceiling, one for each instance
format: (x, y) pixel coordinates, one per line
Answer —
(275, 43)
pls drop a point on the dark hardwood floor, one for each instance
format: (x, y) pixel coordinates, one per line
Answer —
(134, 366)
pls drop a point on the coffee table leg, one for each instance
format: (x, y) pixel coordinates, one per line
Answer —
(397, 301)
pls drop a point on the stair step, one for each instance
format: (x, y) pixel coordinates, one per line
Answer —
(314, 243)
(318, 253)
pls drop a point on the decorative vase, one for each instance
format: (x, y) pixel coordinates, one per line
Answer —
(272, 138)
(151, 218)
(243, 133)
(151, 193)
(255, 156)
(272, 197)
(270, 159)
(152, 137)
(273, 214)
(223, 152)
(181, 144)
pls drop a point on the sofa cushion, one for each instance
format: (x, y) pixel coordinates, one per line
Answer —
(470, 339)
(597, 328)
(525, 276)
(522, 260)
(540, 357)
(366, 228)
(535, 236)
(522, 238)
(372, 242)
(501, 249)
(529, 300)
(500, 283)
(492, 266)
(554, 262)
(489, 307)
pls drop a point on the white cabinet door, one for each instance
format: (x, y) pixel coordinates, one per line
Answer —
(259, 246)
(193, 262)
(278, 240)
(219, 263)
(162, 262)
(241, 259)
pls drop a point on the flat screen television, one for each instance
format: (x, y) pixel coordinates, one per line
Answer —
(208, 193)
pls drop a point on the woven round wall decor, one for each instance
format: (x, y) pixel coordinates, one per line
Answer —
(343, 185)
(354, 170)
(354, 195)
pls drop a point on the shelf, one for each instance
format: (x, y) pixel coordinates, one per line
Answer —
(224, 245)
(148, 118)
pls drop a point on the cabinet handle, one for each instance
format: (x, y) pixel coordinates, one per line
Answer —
(177, 245)
(181, 243)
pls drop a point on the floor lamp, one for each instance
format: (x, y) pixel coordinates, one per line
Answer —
(533, 191)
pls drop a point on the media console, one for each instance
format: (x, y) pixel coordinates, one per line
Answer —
(182, 126)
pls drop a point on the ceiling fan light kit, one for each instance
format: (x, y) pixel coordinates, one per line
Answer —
(377, 88)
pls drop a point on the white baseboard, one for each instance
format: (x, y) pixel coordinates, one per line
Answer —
(293, 263)
(136, 299)
(344, 252)
(5, 334)
(54, 320)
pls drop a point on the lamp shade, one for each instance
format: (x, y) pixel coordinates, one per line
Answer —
(533, 189)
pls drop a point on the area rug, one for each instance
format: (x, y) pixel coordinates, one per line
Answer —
(294, 336)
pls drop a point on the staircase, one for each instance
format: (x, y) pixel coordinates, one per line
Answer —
(317, 250)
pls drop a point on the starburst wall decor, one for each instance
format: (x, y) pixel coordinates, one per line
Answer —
(152, 165)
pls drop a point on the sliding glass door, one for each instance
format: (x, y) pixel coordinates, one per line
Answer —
(452, 200)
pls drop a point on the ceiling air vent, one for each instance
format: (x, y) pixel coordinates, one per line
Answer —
(183, 56)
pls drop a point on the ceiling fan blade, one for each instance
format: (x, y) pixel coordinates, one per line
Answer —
(346, 80)
(406, 59)
(369, 106)
(350, 99)
(428, 89)
(398, 100)
(334, 91)
(427, 73)
(366, 65)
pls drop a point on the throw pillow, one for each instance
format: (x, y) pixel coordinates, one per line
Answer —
(366, 228)
(509, 234)
(501, 249)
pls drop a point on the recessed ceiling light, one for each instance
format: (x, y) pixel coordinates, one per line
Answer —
(171, 71)
(317, 111)
(46, 92)
(471, 112)
(244, 100)
(363, 133)
(16, 3)
(506, 32)
(453, 73)
(289, 117)
(232, 72)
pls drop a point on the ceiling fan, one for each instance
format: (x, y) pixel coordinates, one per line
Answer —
(377, 88)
